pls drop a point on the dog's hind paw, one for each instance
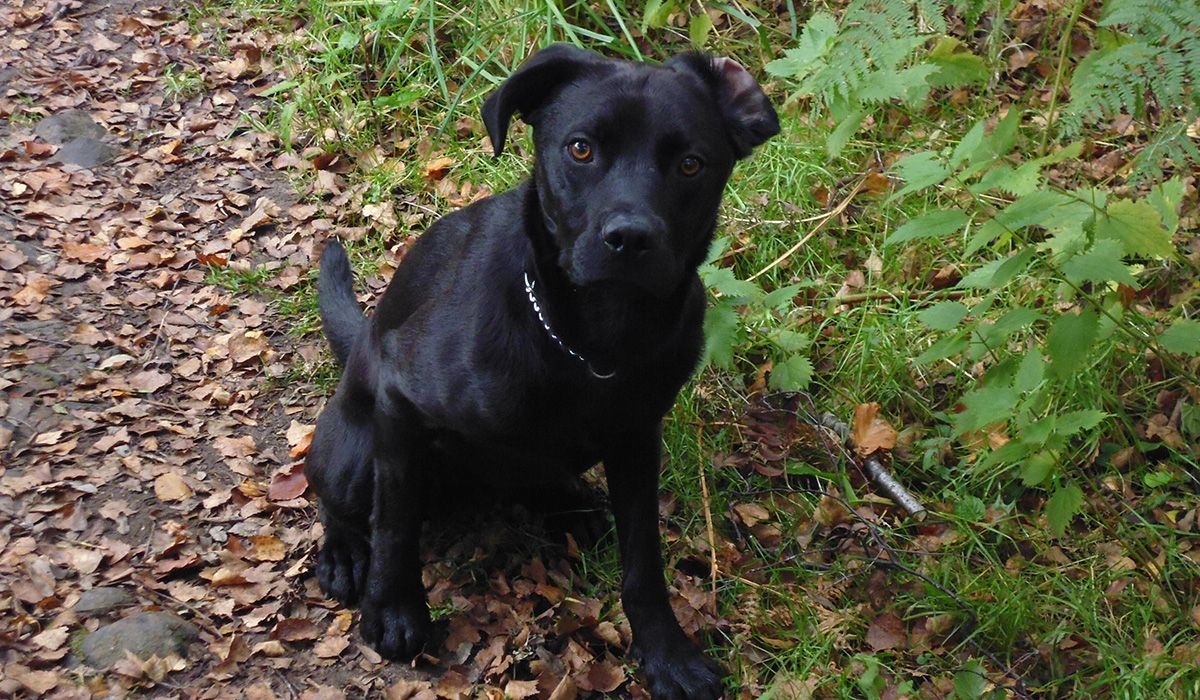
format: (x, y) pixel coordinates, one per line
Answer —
(398, 631)
(342, 572)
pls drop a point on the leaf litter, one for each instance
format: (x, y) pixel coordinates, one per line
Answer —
(152, 436)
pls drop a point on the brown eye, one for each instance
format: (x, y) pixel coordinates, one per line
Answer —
(690, 166)
(580, 150)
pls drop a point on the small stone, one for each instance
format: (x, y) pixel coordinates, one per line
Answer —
(66, 126)
(86, 152)
(143, 634)
(103, 599)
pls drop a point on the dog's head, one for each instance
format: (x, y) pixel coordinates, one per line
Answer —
(632, 158)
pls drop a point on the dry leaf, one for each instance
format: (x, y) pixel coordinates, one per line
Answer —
(871, 433)
(171, 487)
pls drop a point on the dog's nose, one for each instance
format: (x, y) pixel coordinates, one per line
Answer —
(631, 236)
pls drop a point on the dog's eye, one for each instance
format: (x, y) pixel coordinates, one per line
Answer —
(580, 150)
(690, 166)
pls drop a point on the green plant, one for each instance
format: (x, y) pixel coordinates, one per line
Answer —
(1145, 64)
(849, 67)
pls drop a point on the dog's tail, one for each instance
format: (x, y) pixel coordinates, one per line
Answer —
(341, 317)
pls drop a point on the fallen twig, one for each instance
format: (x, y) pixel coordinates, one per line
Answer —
(879, 476)
(825, 218)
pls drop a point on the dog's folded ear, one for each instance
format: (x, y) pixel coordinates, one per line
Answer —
(533, 85)
(749, 115)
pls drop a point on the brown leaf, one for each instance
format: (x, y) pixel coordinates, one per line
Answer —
(752, 513)
(299, 436)
(885, 632)
(331, 647)
(248, 345)
(605, 676)
(520, 689)
(267, 548)
(52, 638)
(871, 433)
(148, 381)
(436, 168)
(409, 690)
(295, 629)
(288, 483)
(38, 682)
(171, 487)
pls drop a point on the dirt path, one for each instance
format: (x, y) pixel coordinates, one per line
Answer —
(150, 416)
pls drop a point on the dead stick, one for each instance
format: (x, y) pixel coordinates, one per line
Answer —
(708, 521)
(893, 489)
(881, 477)
(824, 220)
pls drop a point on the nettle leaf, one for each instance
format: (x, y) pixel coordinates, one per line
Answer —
(1074, 422)
(943, 316)
(1030, 372)
(1062, 506)
(721, 325)
(1032, 209)
(723, 281)
(847, 127)
(969, 146)
(970, 508)
(1104, 262)
(935, 224)
(1183, 336)
(699, 28)
(920, 170)
(782, 296)
(956, 65)
(985, 406)
(1038, 468)
(1070, 340)
(1166, 197)
(945, 347)
(1139, 228)
(999, 272)
(791, 341)
(792, 374)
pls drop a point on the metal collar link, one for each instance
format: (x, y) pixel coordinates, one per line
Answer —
(537, 308)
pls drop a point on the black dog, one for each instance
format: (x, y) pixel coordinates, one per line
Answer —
(535, 333)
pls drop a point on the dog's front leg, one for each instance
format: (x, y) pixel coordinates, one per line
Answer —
(674, 667)
(395, 617)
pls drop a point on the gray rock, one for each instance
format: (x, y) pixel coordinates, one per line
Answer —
(86, 152)
(144, 634)
(103, 599)
(72, 124)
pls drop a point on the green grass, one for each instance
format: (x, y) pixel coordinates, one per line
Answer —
(988, 593)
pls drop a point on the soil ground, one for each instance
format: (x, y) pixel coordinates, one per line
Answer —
(152, 410)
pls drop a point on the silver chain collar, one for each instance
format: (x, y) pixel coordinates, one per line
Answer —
(537, 308)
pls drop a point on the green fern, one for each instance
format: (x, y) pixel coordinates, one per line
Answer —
(879, 52)
(1148, 55)
(863, 59)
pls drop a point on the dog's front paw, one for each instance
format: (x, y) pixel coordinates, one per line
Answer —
(342, 570)
(680, 671)
(396, 630)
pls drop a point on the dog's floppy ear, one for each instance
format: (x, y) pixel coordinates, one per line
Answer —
(749, 116)
(531, 85)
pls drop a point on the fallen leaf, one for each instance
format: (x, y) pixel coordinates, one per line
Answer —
(871, 433)
(288, 483)
(299, 436)
(885, 632)
(171, 487)
(331, 647)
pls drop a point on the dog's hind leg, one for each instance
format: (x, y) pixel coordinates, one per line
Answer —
(339, 469)
(395, 616)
